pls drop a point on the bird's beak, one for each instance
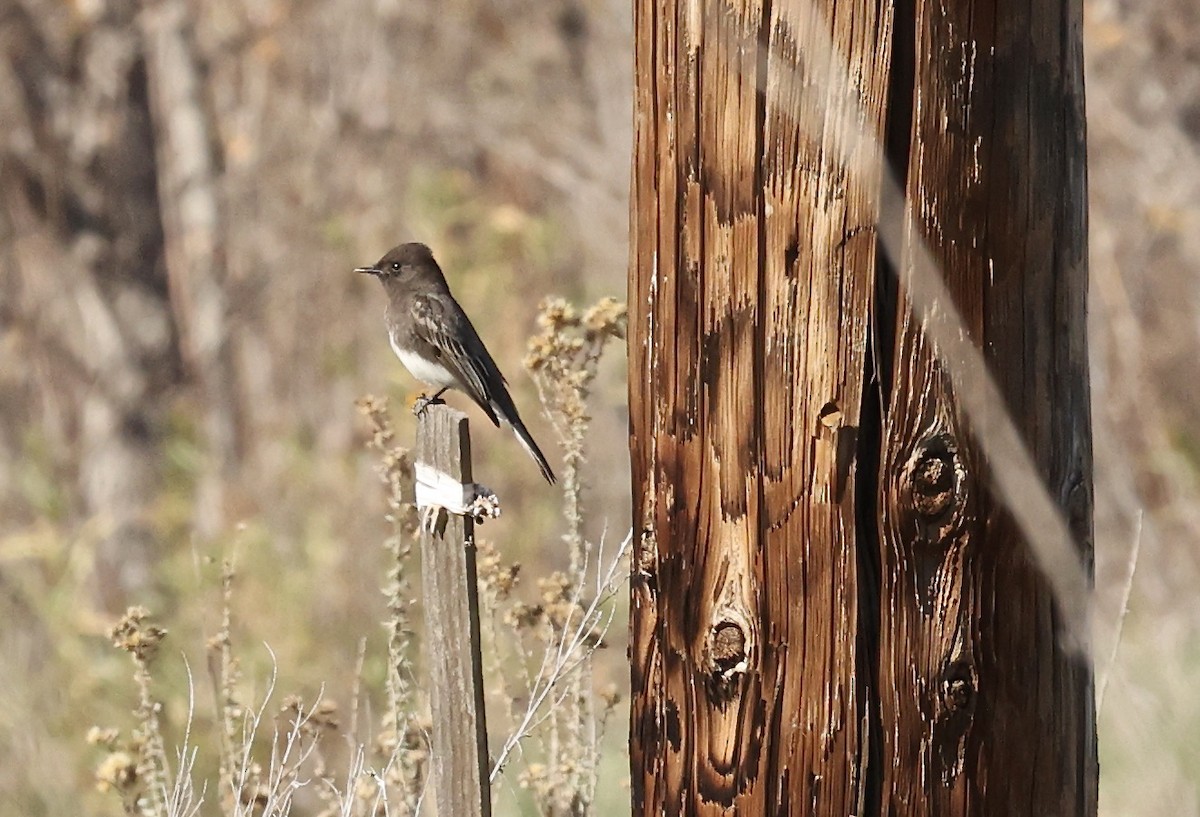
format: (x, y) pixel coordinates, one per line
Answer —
(367, 270)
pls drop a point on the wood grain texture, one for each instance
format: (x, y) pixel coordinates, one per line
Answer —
(451, 604)
(752, 268)
(984, 709)
(832, 613)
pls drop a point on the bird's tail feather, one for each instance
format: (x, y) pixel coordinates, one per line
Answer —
(526, 440)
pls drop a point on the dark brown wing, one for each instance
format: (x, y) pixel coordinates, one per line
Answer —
(439, 321)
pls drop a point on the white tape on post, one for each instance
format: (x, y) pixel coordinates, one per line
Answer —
(438, 490)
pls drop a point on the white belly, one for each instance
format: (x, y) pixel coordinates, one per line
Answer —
(431, 374)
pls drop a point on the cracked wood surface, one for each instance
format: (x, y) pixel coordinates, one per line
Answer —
(753, 261)
(831, 613)
(977, 683)
(459, 757)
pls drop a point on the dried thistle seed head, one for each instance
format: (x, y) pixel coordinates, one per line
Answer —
(611, 696)
(107, 738)
(607, 317)
(325, 716)
(533, 776)
(524, 616)
(555, 587)
(370, 405)
(539, 354)
(487, 557)
(375, 409)
(496, 580)
(137, 741)
(506, 581)
(385, 742)
(136, 635)
(557, 313)
(117, 772)
(563, 614)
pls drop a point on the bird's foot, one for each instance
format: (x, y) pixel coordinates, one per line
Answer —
(423, 402)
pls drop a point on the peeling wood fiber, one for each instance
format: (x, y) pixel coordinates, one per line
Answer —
(832, 613)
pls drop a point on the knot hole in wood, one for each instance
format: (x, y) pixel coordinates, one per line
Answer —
(727, 647)
(934, 477)
(955, 708)
(959, 687)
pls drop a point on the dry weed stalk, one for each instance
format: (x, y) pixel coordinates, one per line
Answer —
(253, 789)
(125, 769)
(565, 627)
(138, 771)
(563, 359)
(182, 800)
(246, 787)
(567, 624)
(1104, 671)
(570, 628)
(404, 739)
(225, 672)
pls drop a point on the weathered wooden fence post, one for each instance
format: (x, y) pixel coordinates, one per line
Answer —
(460, 764)
(836, 608)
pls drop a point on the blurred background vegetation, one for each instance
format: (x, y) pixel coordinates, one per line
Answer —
(184, 188)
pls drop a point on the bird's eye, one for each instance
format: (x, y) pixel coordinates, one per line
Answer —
(395, 266)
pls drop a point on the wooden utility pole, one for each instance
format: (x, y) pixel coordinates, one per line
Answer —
(460, 764)
(834, 611)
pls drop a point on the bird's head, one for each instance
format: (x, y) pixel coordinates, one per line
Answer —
(402, 263)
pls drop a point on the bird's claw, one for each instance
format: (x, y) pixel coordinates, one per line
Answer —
(423, 402)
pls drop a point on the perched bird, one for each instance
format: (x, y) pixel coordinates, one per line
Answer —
(436, 342)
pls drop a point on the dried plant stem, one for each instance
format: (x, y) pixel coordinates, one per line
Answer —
(1122, 611)
(571, 650)
(564, 360)
(135, 634)
(153, 765)
(406, 764)
(225, 682)
(181, 800)
(356, 693)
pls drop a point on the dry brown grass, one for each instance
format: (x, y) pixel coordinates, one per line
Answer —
(301, 758)
(509, 153)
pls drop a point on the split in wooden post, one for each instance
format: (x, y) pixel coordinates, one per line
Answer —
(451, 599)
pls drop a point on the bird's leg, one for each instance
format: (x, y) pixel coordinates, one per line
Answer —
(422, 403)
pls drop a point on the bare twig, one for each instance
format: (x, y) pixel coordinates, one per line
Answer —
(1122, 610)
(181, 798)
(568, 653)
